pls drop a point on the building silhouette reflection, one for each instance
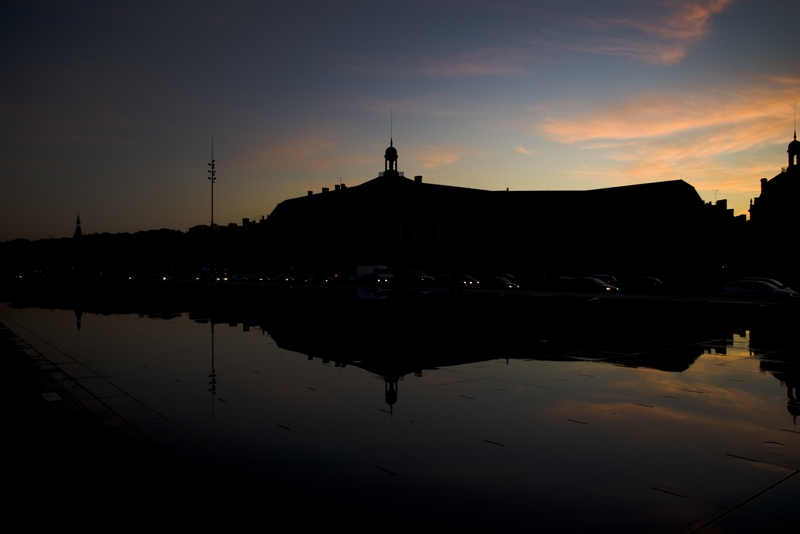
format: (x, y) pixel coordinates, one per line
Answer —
(393, 339)
(396, 337)
(779, 352)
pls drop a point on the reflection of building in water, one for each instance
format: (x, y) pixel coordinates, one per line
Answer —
(393, 339)
(781, 357)
(400, 221)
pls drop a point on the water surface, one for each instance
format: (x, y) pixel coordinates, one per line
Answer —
(605, 424)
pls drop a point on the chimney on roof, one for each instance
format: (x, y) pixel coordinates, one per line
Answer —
(325, 189)
(336, 187)
(418, 179)
(310, 193)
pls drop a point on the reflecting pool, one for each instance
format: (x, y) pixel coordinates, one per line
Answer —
(484, 412)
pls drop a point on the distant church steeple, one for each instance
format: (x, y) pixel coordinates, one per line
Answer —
(78, 232)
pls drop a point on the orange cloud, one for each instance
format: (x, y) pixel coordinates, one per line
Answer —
(659, 115)
(432, 156)
(689, 135)
(682, 19)
(658, 32)
(481, 62)
(647, 50)
(488, 61)
(727, 120)
(309, 152)
(522, 150)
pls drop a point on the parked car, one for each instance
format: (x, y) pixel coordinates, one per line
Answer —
(757, 289)
(413, 278)
(419, 276)
(588, 284)
(468, 281)
(605, 278)
(769, 281)
(343, 278)
(644, 285)
(317, 278)
(373, 274)
(498, 282)
(457, 281)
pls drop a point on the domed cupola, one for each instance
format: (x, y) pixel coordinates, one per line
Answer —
(794, 151)
(391, 158)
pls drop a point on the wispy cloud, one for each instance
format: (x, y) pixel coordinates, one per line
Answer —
(681, 19)
(666, 114)
(315, 150)
(522, 150)
(431, 156)
(479, 62)
(659, 32)
(668, 135)
(746, 112)
(650, 51)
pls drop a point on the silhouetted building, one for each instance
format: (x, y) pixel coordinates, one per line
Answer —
(773, 215)
(392, 220)
(775, 208)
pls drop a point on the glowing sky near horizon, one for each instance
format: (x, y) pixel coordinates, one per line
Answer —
(108, 108)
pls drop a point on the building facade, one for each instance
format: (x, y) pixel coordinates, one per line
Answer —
(396, 221)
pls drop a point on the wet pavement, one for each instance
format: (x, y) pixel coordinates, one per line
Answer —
(576, 422)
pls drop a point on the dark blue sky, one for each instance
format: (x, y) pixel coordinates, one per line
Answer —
(108, 108)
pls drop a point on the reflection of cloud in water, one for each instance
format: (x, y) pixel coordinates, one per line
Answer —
(697, 396)
(661, 415)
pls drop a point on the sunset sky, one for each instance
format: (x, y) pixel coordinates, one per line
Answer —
(108, 108)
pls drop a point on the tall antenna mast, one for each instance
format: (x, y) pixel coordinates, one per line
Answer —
(212, 176)
(391, 128)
